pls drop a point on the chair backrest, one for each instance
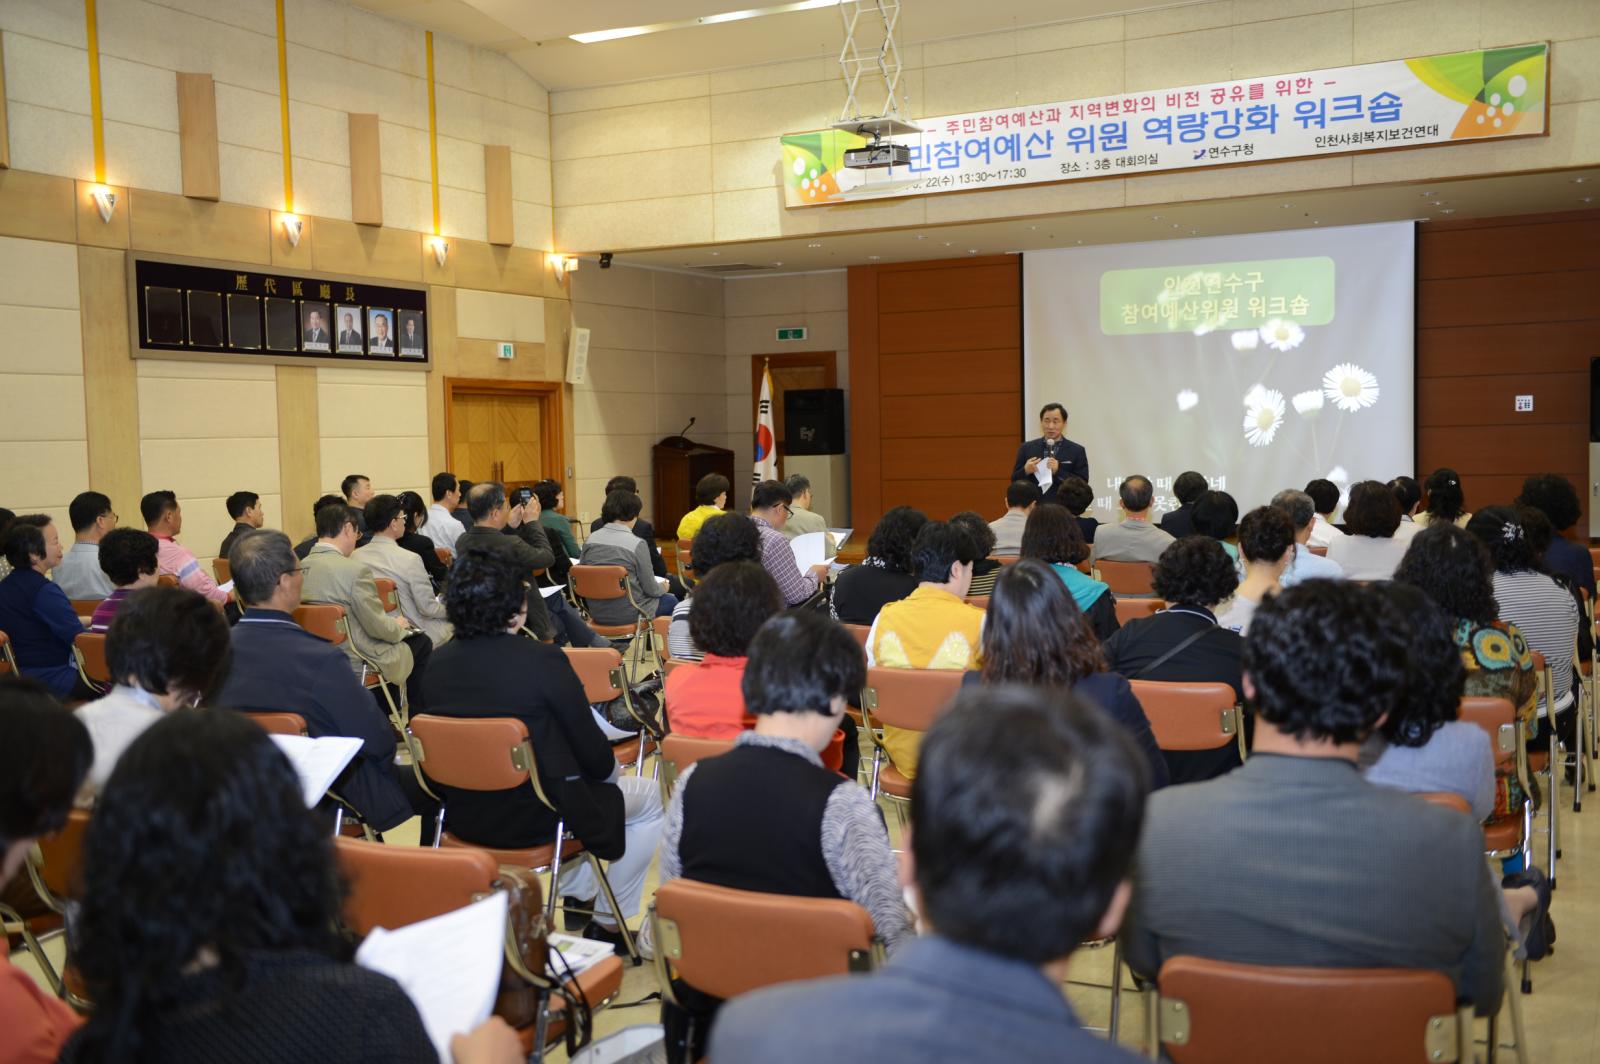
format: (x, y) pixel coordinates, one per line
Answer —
(8, 663)
(600, 671)
(726, 942)
(280, 723)
(85, 607)
(166, 580)
(599, 582)
(1003, 559)
(1498, 719)
(1448, 799)
(1131, 609)
(686, 560)
(223, 571)
(90, 648)
(472, 753)
(61, 855)
(980, 601)
(392, 886)
(323, 619)
(909, 698)
(681, 751)
(388, 593)
(1321, 552)
(660, 626)
(444, 555)
(1188, 716)
(1594, 556)
(1127, 578)
(671, 665)
(1213, 1012)
(860, 631)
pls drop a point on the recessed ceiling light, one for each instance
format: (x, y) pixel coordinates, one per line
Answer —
(874, 258)
(947, 243)
(813, 245)
(1033, 229)
(1285, 206)
(1194, 232)
(1427, 192)
(1155, 217)
(1315, 222)
(777, 264)
(1448, 210)
(1587, 199)
(922, 236)
(713, 254)
(972, 251)
(1080, 241)
(1175, 225)
(1579, 180)
(598, 36)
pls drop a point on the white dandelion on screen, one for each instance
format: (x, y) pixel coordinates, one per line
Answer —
(1282, 335)
(1307, 404)
(1187, 400)
(1349, 387)
(1263, 413)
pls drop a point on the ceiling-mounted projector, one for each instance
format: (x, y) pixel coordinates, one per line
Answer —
(877, 155)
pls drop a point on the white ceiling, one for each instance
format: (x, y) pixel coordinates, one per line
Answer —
(534, 33)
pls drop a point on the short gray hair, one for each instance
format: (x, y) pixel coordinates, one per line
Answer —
(797, 483)
(1297, 504)
(257, 559)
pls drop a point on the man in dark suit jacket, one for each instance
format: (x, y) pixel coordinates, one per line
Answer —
(1187, 488)
(1060, 455)
(315, 331)
(647, 532)
(279, 666)
(1295, 859)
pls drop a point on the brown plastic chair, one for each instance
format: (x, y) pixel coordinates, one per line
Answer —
(1131, 609)
(669, 665)
(167, 580)
(388, 593)
(1321, 552)
(1191, 716)
(980, 601)
(54, 867)
(495, 754)
(1498, 719)
(679, 752)
(89, 653)
(8, 660)
(1217, 1012)
(727, 942)
(221, 569)
(686, 562)
(600, 671)
(1447, 799)
(860, 631)
(85, 608)
(1003, 559)
(902, 698)
(607, 583)
(280, 723)
(659, 628)
(326, 620)
(445, 555)
(1126, 578)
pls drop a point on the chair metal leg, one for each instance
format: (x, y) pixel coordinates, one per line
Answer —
(541, 1027)
(555, 874)
(1492, 1044)
(1113, 1024)
(1552, 814)
(1152, 1022)
(35, 950)
(338, 820)
(1518, 1032)
(616, 910)
(438, 827)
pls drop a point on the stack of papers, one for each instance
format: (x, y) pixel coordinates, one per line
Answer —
(449, 966)
(318, 762)
(809, 550)
(580, 954)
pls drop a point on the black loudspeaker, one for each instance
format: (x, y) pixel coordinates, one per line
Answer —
(813, 421)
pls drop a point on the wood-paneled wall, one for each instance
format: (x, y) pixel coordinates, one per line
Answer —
(935, 385)
(1507, 307)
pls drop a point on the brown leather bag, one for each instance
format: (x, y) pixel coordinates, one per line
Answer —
(526, 927)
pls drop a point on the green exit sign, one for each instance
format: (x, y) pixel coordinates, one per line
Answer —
(792, 334)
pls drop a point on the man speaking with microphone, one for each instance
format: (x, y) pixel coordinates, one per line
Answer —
(1052, 457)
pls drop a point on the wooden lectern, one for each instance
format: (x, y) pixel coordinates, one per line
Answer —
(678, 463)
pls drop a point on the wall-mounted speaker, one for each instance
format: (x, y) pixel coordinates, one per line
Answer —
(813, 421)
(577, 355)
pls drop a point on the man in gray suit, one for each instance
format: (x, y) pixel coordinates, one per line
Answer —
(1045, 787)
(1136, 539)
(1294, 858)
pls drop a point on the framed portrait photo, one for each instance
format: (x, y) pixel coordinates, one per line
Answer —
(412, 334)
(348, 330)
(316, 327)
(380, 331)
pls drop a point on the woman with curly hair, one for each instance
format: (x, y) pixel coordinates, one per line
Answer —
(1184, 642)
(1454, 569)
(1445, 502)
(985, 569)
(1034, 633)
(490, 670)
(1369, 550)
(719, 540)
(207, 927)
(735, 600)
(885, 575)
(1052, 536)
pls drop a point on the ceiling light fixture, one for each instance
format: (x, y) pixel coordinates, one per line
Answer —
(813, 245)
(1448, 210)
(293, 225)
(1579, 180)
(441, 248)
(600, 36)
(105, 201)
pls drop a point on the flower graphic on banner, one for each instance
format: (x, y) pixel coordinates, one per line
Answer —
(1246, 340)
(1349, 387)
(1263, 413)
(1282, 335)
(1187, 400)
(1307, 404)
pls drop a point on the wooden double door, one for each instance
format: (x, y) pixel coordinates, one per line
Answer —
(504, 431)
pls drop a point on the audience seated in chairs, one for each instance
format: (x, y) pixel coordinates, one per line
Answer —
(615, 544)
(1369, 550)
(1053, 537)
(79, 575)
(1408, 496)
(710, 499)
(357, 492)
(167, 648)
(248, 514)
(280, 667)
(441, 525)
(1216, 514)
(722, 539)
(1077, 496)
(1184, 642)
(490, 670)
(769, 509)
(35, 613)
(399, 650)
(1446, 503)
(185, 963)
(1266, 540)
(767, 816)
(557, 527)
(6, 517)
(1034, 634)
(1012, 779)
(801, 520)
(1325, 497)
(885, 575)
(1295, 859)
(1544, 612)
(1304, 565)
(415, 541)
(1454, 569)
(303, 548)
(1136, 539)
(384, 555)
(933, 627)
(163, 517)
(1021, 497)
(1554, 496)
(43, 761)
(1187, 489)
(645, 531)
(734, 601)
(985, 569)
(129, 559)
(1423, 747)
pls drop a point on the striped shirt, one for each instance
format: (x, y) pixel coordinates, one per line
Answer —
(1547, 615)
(778, 558)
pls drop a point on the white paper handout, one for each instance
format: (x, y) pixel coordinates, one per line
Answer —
(317, 762)
(448, 965)
(809, 549)
(227, 588)
(1042, 474)
(580, 954)
(552, 592)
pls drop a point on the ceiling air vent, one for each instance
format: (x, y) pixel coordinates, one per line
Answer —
(730, 267)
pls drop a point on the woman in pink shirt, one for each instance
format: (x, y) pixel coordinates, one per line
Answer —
(730, 604)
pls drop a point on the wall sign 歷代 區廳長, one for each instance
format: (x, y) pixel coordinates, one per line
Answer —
(1439, 99)
(221, 312)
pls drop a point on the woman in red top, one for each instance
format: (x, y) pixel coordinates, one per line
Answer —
(733, 600)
